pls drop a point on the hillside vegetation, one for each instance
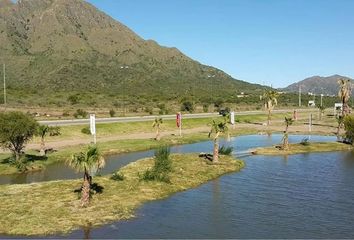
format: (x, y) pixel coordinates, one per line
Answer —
(67, 52)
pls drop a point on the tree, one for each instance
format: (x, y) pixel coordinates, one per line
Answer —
(42, 132)
(88, 162)
(345, 89)
(288, 121)
(217, 128)
(16, 129)
(270, 100)
(157, 124)
(321, 111)
(340, 121)
(349, 129)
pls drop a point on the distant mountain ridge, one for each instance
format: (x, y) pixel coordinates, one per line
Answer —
(64, 46)
(318, 85)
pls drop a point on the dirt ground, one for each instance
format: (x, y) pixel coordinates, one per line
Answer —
(261, 129)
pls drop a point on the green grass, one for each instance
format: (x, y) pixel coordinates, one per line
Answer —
(113, 147)
(299, 148)
(53, 207)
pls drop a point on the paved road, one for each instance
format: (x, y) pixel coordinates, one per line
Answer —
(151, 118)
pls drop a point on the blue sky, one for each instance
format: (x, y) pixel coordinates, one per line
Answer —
(273, 42)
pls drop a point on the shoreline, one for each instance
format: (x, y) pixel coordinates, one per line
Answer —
(42, 209)
(298, 148)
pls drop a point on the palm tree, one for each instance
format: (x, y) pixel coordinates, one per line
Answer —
(157, 124)
(288, 121)
(89, 161)
(217, 128)
(345, 90)
(270, 100)
(340, 121)
(42, 132)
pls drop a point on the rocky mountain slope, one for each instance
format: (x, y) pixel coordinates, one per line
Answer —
(317, 85)
(58, 48)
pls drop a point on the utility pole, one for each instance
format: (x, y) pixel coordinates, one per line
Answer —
(4, 72)
(299, 95)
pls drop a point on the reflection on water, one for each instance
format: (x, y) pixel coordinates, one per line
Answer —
(303, 196)
(61, 171)
(297, 196)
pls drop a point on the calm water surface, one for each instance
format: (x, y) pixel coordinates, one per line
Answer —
(59, 170)
(299, 196)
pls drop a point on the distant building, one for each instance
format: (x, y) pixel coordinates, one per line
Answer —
(312, 103)
(338, 107)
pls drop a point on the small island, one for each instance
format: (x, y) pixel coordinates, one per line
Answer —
(297, 148)
(52, 207)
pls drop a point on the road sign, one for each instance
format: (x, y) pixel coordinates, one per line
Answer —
(232, 118)
(93, 127)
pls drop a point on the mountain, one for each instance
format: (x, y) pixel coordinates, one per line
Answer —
(58, 48)
(317, 85)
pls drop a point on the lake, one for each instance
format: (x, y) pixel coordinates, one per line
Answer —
(297, 196)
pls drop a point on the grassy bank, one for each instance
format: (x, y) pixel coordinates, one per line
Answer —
(53, 207)
(109, 148)
(299, 148)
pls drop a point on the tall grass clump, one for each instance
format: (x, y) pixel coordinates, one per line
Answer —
(225, 150)
(162, 166)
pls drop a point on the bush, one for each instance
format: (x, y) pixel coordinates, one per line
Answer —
(162, 166)
(86, 130)
(73, 99)
(117, 176)
(305, 141)
(205, 107)
(66, 114)
(187, 106)
(80, 113)
(225, 150)
(349, 129)
(112, 113)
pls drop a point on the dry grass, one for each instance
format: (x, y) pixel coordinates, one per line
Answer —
(53, 207)
(299, 148)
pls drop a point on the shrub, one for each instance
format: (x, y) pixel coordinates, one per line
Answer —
(205, 107)
(187, 106)
(117, 176)
(73, 99)
(225, 150)
(112, 113)
(162, 166)
(305, 141)
(149, 110)
(349, 129)
(66, 114)
(80, 113)
(86, 130)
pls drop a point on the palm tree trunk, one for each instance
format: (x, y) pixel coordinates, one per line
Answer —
(338, 131)
(42, 148)
(216, 150)
(157, 134)
(269, 117)
(85, 191)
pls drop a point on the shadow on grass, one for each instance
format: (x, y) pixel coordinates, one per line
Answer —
(33, 158)
(95, 188)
